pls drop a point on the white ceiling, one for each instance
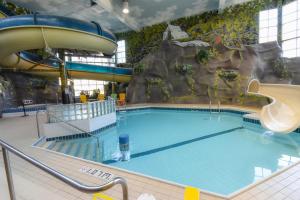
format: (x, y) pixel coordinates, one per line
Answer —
(142, 12)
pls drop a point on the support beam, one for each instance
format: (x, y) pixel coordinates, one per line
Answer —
(63, 79)
(279, 23)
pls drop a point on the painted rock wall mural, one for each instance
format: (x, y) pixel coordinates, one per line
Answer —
(213, 62)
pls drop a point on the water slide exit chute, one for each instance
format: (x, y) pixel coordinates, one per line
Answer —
(282, 115)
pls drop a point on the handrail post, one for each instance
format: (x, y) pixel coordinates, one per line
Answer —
(8, 174)
(37, 123)
(124, 186)
(210, 106)
(88, 110)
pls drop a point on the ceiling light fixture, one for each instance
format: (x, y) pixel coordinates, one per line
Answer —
(125, 7)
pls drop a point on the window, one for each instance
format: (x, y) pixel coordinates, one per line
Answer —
(291, 29)
(268, 20)
(88, 85)
(94, 60)
(121, 52)
(101, 61)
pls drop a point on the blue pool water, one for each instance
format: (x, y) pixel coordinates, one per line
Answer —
(215, 152)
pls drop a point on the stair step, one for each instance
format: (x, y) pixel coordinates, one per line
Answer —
(82, 150)
(87, 152)
(92, 151)
(61, 146)
(78, 149)
(51, 145)
(69, 148)
(43, 144)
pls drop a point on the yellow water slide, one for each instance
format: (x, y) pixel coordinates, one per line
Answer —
(27, 32)
(282, 115)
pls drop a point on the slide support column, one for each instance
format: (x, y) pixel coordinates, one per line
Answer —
(64, 80)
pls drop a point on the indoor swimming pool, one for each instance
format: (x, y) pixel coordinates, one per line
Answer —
(216, 152)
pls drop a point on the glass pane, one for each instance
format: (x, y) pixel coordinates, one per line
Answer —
(289, 8)
(289, 17)
(273, 13)
(263, 15)
(263, 40)
(263, 24)
(91, 59)
(289, 35)
(290, 54)
(272, 38)
(84, 81)
(273, 31)
(289, 44)
(289, 27)
(273, 22)
(298, 52)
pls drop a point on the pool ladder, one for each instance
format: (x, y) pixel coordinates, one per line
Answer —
(210, 106)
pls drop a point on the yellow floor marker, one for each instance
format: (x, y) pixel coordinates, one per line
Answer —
(191, 193)
(99, 196)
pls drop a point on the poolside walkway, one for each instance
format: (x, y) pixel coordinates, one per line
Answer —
(33, 184)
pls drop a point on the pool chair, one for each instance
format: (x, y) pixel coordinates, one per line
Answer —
(122, 99)
(114, 96)
(83, 98)
(101, 97)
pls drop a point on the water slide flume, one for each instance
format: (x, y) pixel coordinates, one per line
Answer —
(27, 32)
(282, 115)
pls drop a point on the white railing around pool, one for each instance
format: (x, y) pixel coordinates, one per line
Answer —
(79, 111)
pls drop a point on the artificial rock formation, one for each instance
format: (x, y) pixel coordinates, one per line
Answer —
(174, 74)
(14, 87)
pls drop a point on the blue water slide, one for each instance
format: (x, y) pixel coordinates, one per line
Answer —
(98, 69)
(36, 20)
(55, 21)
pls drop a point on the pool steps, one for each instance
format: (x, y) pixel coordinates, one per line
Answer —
(86, 150)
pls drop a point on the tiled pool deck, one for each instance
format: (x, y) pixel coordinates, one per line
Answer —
(33, 184)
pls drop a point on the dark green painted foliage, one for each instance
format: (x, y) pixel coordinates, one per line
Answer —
(16, 9)
(184, 69)
(138, 68)
(202, 56)
(141, 43)
(228, 75)
(280, 69)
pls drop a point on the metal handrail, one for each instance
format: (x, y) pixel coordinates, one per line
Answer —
(124, 107)
(83, 131)
(219, 106)
(71, 182)
(37, 121)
